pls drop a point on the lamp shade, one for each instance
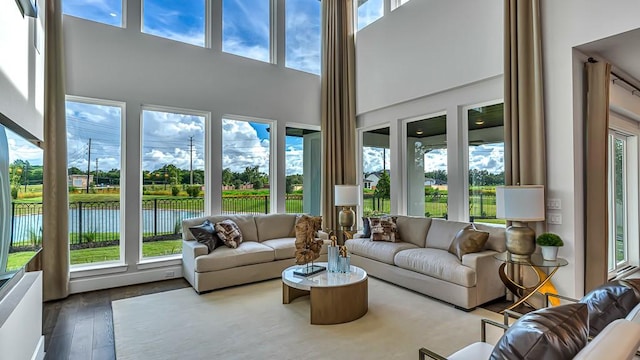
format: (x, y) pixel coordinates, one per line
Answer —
(347, 195)
(520, 203)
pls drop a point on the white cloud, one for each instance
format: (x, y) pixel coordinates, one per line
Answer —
(21, 149)
(372, 159)
(236, 46)
(294, 159)
(241, 147)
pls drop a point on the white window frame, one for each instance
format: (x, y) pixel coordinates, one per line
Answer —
(117, 264)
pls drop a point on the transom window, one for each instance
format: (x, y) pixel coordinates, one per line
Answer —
(302, 32)
(106, 11)
(246, 28)
(368, 12)
(177, 20)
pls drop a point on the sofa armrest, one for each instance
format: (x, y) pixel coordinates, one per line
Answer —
(619, 340)
(322, 235)
(488, 283)
(359, 236)
(193, 249)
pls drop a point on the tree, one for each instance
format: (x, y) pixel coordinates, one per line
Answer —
(227, 177)
(383, 188)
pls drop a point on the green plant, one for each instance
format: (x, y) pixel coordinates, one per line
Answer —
(549, 239)
(193, 191)
(175, 190)
(14, 192)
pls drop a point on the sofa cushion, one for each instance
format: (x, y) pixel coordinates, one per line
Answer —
(413, 229)
(206, 234)
(274, 226)
(606, 303)
(467, 241)
(247, 253)
(497, 239)
(246, 224)
(436, 263)
(229, 233)
(377, 250)
(442, 232)
(550, 333)
(383, 229)
(285, 248)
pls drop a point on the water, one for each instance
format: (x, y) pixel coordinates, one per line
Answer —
(27, 227)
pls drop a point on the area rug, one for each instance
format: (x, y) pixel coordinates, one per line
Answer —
(250, 321)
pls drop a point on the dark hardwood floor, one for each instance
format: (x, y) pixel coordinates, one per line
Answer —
(81, 326)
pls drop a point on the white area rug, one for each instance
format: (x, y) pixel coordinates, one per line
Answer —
(250, 321)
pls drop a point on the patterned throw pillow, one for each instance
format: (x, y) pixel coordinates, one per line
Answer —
(229, 233)
(366, 227)
(206, 234)
(467, 241)
(384, 229)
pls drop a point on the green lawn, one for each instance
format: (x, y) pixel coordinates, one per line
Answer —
(108, 253)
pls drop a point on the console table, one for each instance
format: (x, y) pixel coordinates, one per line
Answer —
(517, 286)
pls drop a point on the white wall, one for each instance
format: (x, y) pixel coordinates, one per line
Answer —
(21, 72)
(567, 24)
(427, 46)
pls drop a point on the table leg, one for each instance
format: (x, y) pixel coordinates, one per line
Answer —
(290, 293)
(526, 292)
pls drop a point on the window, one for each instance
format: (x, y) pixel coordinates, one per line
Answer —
(106, 11)
(23, 161)
(485, 125)
(397, 3)
(303, 35)
(94, 160)
(246, 28)
(177, 20)
(376, 168)
(618, 239)
(173, 177)
(246, 151)
(369, 11)
(427, 191)
(302, 151)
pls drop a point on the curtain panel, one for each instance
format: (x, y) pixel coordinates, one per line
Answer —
(55, 197)
(338, 103)
(596, 187)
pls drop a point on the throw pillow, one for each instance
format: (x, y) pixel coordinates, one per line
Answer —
(383, 229)
(606, 303)
(467, 241)
(205, 233)
(229, 233)
(551, 333)
(366, 227)
(633, 284)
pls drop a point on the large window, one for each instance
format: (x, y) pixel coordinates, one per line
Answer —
(246, 28)
(618, 239)
(94, 160)
(486, 160)
(105, 11)
(427, 188)
(376, 167)
(173, 177)
(302, 151)
(246, 151)
(368, 12)
(303, 35)
(177, 20)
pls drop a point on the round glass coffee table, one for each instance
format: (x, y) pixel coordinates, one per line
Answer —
(335, 298)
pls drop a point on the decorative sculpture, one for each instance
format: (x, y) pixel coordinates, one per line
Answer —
(307, 246)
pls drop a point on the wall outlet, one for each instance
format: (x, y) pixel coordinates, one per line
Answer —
(169, 274)
(555, 219)
(554, 204)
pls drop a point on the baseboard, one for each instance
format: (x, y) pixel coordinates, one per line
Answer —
(108, 281)
(38, 354)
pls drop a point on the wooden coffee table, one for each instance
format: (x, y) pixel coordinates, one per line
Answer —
(335, 298)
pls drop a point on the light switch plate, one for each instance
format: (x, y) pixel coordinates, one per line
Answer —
(554, 204)
(555, 219)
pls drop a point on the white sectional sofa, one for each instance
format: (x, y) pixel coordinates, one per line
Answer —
(422, 262)
(268, 247)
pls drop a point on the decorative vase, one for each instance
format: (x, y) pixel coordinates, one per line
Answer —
(344, 264)
(332, 258)
(549, 253)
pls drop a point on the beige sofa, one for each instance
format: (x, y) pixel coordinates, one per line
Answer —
(268, 247)
(421, 262)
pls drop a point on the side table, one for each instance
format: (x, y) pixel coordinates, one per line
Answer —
(516, 286)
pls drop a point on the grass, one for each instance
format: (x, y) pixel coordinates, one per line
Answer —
(108, 253)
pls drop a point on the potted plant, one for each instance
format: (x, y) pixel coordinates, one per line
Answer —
(549, 244)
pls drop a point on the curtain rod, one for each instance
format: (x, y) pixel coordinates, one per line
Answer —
(635, 90)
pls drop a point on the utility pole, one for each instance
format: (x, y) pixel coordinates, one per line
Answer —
(191, 159)
(26, 176)
(96, 177)
(89, 166)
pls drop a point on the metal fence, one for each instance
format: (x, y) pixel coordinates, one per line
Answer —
(99, 221)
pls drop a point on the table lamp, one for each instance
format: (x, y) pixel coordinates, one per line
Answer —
(346, 196)
(520, 204)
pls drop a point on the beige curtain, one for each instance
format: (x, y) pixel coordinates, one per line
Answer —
(338, 103)
(525, 156)
(55, 200)
(596, 200)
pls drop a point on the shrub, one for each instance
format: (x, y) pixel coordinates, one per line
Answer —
(14, 192)
(175, 190)
(549, 239)
(193, 191)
